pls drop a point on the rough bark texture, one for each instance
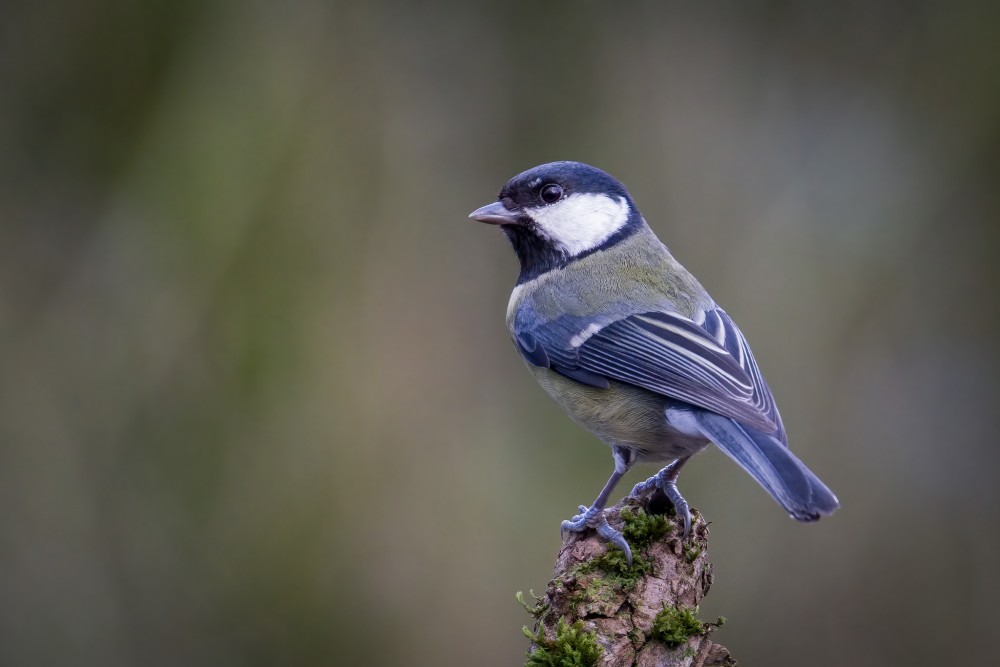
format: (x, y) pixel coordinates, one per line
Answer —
(620, 605)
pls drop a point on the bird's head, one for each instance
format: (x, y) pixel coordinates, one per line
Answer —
(560, 211)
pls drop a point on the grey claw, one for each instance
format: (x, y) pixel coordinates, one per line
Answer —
(669, 488)
(605, 530)
(680, 506)
(577, 524)
(640, 488)
(591, 518)
(565, 528)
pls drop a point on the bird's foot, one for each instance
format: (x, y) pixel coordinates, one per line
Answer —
(590, 517)
(668, 485)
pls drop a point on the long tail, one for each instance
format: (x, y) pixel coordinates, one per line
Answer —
(773, 465)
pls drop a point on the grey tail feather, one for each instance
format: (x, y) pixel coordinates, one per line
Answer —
(773, 465)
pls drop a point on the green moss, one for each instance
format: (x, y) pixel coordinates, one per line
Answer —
(595, 590)
(642, 529)
(609, 574)
(675, 625)
(572, 647)
(692, 553)
(616, 571)
(537, 609)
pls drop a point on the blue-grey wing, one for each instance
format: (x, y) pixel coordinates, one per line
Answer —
(707, 364)
(534, 353)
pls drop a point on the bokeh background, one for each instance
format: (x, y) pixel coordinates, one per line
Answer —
(257, 402)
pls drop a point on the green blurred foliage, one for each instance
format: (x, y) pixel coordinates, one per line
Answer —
(257, 403)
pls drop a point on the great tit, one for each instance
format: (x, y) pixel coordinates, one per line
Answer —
(631, 345)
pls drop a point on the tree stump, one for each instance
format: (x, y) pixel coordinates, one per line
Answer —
(597, 611)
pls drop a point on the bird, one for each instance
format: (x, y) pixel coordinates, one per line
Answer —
(632, 347)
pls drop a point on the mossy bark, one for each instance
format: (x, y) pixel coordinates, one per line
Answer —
(620, 605)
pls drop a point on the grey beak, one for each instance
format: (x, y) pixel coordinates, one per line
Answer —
(495, 214)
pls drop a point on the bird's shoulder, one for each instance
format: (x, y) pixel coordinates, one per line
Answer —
(636, 275)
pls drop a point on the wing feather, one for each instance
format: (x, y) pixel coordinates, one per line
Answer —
(708, 365)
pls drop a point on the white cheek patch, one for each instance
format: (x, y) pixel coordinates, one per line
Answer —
(581, 222)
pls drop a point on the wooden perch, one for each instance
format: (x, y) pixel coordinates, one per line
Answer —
(597, 611)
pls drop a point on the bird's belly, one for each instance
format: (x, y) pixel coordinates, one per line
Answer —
(622, 415)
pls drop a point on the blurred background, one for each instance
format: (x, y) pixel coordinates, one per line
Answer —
(257, 401)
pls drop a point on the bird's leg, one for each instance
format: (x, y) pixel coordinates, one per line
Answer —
(666, 481)
(593, 516)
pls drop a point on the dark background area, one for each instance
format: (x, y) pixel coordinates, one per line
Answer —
(257, 401)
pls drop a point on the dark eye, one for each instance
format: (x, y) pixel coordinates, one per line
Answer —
(552, 193)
